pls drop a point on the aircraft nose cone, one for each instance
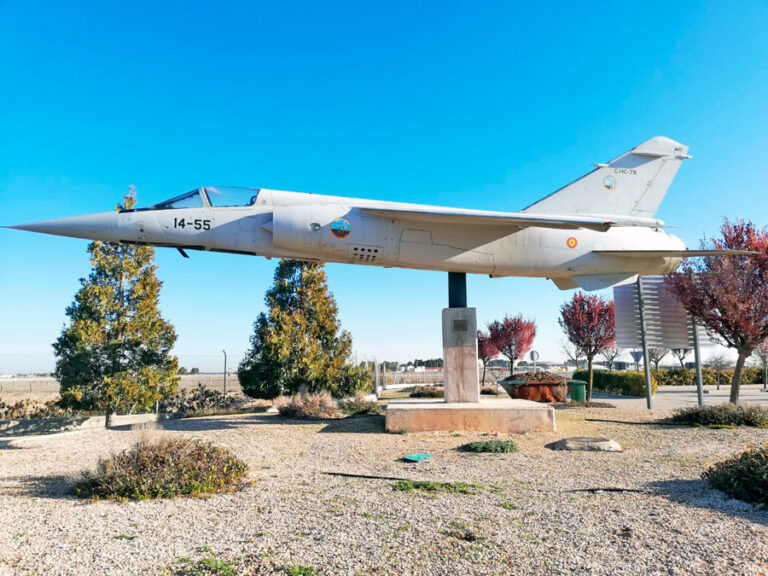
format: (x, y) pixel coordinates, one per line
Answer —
(103, 226)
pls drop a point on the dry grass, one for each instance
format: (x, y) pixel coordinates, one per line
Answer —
(304, 405)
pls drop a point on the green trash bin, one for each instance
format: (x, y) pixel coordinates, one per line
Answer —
(578, 390)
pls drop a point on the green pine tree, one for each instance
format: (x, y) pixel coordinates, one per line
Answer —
(114, 355)
(297, 343)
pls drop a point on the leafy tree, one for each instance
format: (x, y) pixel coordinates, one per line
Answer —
(610, 354)
(680, 354)
(512, 337)
(573, 354)
(587, 321)
(182, 370)
(485, 350)
(655, 356)
(195, 371)
(762, 354)
(729, 296)
(114, 355)
(297, 343)
(718, 363)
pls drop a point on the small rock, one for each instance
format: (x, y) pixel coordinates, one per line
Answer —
(597, 444)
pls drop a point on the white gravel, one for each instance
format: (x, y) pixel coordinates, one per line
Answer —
(292, 513)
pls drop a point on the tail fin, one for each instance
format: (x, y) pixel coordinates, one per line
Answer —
(634, 184)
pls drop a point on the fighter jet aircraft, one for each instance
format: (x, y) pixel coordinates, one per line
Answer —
(598, 231)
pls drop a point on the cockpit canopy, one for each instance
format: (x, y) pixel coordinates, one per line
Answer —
(215, 196)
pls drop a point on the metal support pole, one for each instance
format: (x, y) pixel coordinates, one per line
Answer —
(697, 359)
(457, 290)
(225, 372)
(641, 307)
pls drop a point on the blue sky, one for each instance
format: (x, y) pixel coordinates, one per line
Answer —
(487, 105)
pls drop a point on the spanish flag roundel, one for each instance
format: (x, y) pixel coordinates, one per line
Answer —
(571, 242)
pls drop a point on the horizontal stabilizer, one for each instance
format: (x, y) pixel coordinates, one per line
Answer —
(601, 281)
(672, 253)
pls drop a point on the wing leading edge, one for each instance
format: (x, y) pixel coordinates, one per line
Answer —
(510, 219)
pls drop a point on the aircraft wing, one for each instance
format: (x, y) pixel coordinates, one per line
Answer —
(672, 253)
(480, 217)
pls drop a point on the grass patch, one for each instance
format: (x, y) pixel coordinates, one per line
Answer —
(509, 505)
(722, 415)
(583, 404)
(493, 446)
(300, 570)
(461, 531)
(428, 486)
(163, 469)
(744, 477)
(208, 566)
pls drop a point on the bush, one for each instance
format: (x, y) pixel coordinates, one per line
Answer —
(625, 383)
(358, 405)
(304, 405)
(744, 477)
(427, 392)
(495, 446)
(163, 469)
(199, 401)
(749, 375)
(25, 409)
(723, 415)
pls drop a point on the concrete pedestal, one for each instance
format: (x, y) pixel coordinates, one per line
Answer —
(460, 355)
(506, 416)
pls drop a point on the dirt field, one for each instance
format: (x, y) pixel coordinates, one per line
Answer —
(534, 512)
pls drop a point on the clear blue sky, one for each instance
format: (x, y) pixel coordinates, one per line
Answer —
(487, 105)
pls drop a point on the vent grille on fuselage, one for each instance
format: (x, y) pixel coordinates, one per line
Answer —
(364, 254)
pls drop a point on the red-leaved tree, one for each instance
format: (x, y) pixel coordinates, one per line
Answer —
(587, 321)
(729, 295)
(486, 351)
(512, 337)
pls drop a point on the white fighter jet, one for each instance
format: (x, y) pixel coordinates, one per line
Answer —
(598, 231)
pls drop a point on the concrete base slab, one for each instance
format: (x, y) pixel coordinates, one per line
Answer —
(507, 416)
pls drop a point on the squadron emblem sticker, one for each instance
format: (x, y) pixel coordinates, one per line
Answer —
(609, 182)
(341, 228)
(571, 242)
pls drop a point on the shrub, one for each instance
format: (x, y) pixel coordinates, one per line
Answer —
(304, 405)
(25, 409)
(490, 391)
(199, 401)
(723, 415)
(358, 405)
(749, 375)
(163, 469)
(625, 383)
(495, 446)
(744, 477)
(427, 392)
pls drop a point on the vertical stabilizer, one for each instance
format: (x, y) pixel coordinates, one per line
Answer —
(634, 184)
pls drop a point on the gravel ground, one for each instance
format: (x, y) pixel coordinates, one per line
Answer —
(530, 515)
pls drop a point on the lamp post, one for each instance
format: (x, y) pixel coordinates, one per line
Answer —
(225, 372)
